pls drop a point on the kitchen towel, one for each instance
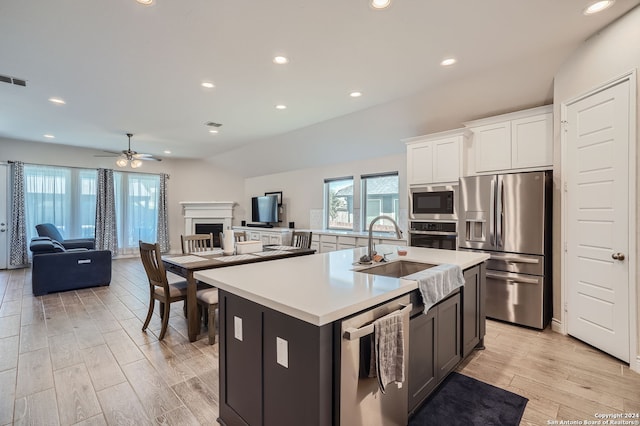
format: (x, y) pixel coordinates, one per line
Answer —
(437, 282)
(389, 349)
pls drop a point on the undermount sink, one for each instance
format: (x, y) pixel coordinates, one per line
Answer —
(397, 269)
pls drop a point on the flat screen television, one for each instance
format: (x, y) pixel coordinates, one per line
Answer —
(264, 209)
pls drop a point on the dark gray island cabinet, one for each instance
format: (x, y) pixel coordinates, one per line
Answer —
(286, 325)
(445, 335)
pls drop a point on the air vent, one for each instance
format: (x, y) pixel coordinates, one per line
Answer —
(212, 124)
(13, 80)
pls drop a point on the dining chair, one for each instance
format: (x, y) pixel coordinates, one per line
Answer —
(208, 300)
(196, 242)
(301, 239)
(159, 287)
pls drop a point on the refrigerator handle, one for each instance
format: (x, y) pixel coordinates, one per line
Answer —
(500, 214)
(492, 207)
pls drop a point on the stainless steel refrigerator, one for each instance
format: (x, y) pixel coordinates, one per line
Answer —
(509, 217)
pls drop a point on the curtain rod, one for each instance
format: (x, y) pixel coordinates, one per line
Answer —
(89, 168)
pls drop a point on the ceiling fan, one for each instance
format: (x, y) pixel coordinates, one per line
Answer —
(129, 157)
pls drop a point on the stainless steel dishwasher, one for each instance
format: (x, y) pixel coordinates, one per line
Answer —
(361, 401)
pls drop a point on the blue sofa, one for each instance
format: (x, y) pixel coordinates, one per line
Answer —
(56, 268)
(50, 230)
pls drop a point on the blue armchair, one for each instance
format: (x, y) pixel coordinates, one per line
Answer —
(50, 230)
(56, 268)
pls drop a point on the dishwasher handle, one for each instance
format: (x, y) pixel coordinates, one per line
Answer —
(352, 333)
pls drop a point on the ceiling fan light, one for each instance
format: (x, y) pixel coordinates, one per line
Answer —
(122, 162)
(135, 164)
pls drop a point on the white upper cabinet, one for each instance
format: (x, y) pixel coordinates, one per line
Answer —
(492, 145)
(519, 140)
(434, 158)
(532, 141)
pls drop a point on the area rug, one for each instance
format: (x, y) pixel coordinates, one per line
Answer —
(462, 400)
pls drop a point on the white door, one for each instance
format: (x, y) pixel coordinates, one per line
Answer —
(597, 257)
(4, 190)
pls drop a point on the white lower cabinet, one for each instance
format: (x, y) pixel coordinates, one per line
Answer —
(324, 243)
(346, 242)
(268, 236)
(328, 243)
(393, 242)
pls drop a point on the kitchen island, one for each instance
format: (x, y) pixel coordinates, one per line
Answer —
(280, 330)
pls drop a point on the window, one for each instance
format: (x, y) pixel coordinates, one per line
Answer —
(380, 197)
(66, 197)
(63, 196)
(339, 203)
(136, 197)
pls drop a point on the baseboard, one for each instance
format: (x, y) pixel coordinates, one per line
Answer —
(635, 366)
(556, 325)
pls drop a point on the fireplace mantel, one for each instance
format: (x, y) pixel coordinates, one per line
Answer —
(206, 212)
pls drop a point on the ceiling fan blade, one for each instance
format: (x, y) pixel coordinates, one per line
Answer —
(109, 154)
(141, 156)
(149, 158)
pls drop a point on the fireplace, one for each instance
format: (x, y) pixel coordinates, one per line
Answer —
(213, 228)
(202, 217)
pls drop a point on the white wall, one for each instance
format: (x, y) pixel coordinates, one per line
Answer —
(377, 131)
(190, 180)
(605, 56)
(302, 190)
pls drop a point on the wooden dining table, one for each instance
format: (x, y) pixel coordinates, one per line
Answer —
(185, 265)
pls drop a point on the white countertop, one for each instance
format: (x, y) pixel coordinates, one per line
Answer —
(325, 287)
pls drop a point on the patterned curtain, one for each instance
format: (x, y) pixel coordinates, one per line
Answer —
(163, 222)
(106, 230)
(18, 255)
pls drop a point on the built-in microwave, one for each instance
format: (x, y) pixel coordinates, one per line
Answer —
(436, 202)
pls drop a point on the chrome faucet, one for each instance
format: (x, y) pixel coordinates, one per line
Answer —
(369, 256)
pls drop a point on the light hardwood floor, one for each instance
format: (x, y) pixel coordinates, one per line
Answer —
(80, 357)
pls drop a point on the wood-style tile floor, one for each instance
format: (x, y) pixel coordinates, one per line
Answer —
(80, 357)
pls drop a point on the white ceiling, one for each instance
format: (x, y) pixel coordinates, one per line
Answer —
(124, 67)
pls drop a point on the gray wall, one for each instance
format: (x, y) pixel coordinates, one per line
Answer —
(303, 189)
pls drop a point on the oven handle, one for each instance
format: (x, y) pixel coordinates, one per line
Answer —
(454, 234)
(352, 333)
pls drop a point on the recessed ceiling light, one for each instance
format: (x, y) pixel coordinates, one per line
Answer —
(49, 136)
(57, 101)
(598, 6)
(213, 131)
(355, 94)
(280, 60)
(448, 61)
(281, 106)
(208, 85)
(145, 2)
(380, 4)
(166, 151)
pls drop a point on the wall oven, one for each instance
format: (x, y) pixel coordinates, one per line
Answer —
(437, 202)
(437, 235)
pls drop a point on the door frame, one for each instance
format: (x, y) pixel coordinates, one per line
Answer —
(4, 241)
(631, 76)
